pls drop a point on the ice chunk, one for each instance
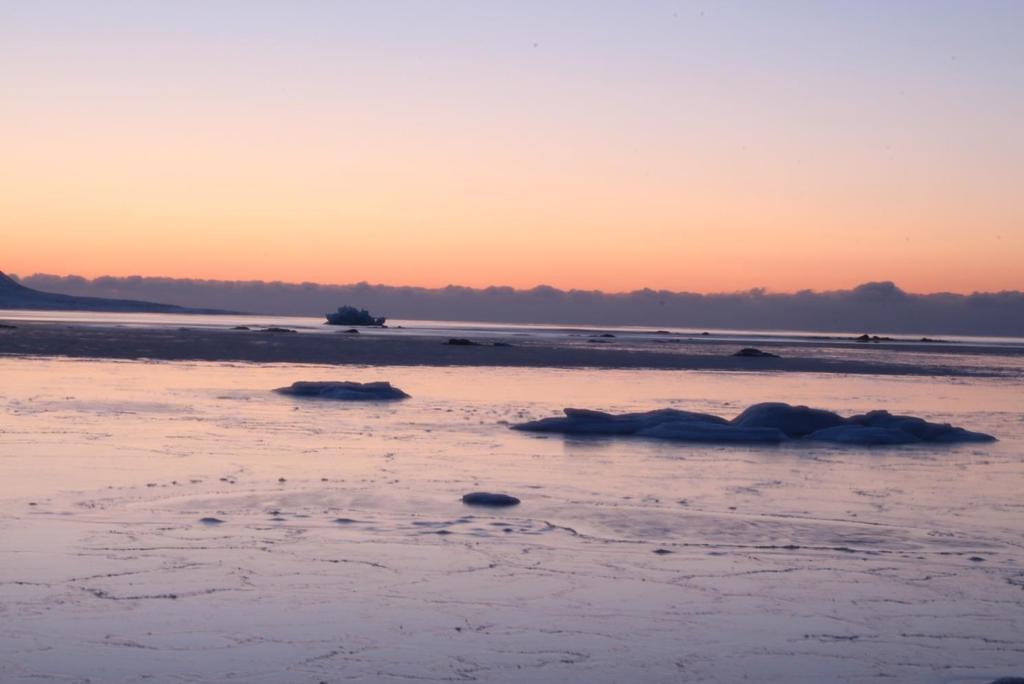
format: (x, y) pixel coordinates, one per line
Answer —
(795, 421)
(696, 431)
(346, 391)
(863, 436)
(587, 422)
(350, 315)
(919, 428)
(767, 423)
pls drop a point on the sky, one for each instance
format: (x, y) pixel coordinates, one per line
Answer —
(693, 146)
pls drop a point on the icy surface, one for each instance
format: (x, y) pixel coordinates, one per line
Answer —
(766, 422)
(345, 391)
(627, 560)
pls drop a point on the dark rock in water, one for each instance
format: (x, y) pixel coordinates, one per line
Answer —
(211, 521)
(606, 335)
(929, 339)
(345, 521)
(873, 338)
(663, 552)
(462, 342)
(350, 315)
(489, 499)
(275, 329)
(5, 326)
(241, 327)
(352, 331)
(345, 391)
(755, 353)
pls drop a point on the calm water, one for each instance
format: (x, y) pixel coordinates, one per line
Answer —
(787, 564)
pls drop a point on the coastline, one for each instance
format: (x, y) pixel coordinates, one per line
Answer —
(257, 346)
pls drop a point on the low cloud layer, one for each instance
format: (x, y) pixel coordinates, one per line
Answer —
(873, 307)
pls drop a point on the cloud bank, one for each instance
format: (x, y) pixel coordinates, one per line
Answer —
(879, 307)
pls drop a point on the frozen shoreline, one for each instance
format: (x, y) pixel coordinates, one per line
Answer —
(214, 344)
(345, 552)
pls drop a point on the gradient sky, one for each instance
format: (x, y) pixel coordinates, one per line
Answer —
(688, 146)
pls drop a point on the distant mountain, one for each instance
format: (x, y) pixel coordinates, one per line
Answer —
(875, 308)
(13, 295)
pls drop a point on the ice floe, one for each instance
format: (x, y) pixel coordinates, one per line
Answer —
(768, 423)
(345, 391)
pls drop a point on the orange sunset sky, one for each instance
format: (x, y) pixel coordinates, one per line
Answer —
(685, 146)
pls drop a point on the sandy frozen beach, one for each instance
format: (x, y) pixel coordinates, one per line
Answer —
(494, 348)
(345, 553)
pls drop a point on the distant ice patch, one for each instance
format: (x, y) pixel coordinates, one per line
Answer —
(344, 391)
(766, 423)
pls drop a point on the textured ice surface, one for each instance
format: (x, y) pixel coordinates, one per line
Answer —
(345, 391)
(800, 564)
(765, 422)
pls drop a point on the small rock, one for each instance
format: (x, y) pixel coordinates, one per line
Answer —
(873, 338)
(663, 552)
(211, 521)
(755, 353)
(462, 342)
(489, 499)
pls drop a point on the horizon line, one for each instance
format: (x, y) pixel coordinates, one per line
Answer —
(887, 284)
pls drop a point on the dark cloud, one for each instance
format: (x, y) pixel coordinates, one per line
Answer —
(879, 307)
